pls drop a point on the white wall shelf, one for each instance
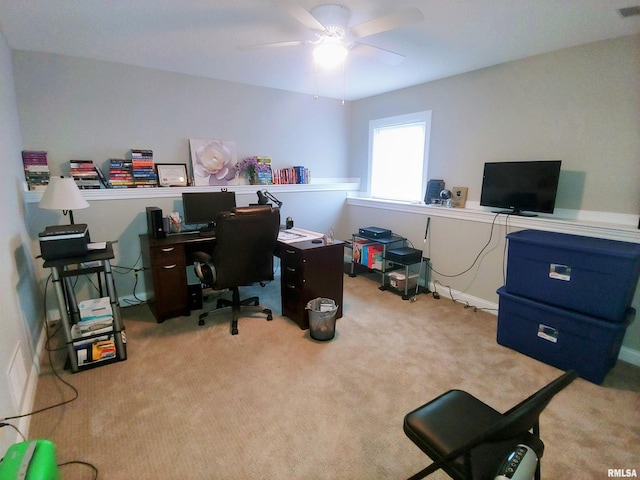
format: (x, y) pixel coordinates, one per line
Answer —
(564, 221)
(320, 185)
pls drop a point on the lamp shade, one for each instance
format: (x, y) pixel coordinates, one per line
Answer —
(62, 193)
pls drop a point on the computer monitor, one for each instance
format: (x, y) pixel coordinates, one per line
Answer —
(203, 208)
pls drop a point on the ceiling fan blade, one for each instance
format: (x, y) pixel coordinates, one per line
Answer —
(302, 15)
(376, 53)
(293, 43)
(387, 22)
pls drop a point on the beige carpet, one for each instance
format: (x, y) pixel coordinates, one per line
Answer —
(271, 403)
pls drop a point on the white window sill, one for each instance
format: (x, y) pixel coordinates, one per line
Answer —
(614, 226)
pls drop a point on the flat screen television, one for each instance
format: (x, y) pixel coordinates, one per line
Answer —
(202, 208)
(521, 187)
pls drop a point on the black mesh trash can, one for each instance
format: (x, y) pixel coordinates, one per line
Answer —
(322, 318)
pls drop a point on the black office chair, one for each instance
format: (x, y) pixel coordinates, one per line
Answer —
(243, 255)
(469, 440)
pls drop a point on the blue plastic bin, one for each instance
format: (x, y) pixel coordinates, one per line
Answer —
(559, 337)
(588, 275)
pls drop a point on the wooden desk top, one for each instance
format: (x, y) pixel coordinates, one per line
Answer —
(178, 238)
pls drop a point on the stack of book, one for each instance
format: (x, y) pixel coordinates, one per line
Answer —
(296, 174)
(120, 173)
(36, 169)
(84, 173)
(144, 174)
(264, 173)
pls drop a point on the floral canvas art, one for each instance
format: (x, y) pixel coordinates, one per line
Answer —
(213, 161)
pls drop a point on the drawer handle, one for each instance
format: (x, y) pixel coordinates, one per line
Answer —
(167, 267)
(168, 249)
(291, 287)
(290, 269)
(290, 252)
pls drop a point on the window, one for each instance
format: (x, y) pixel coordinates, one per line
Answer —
(398, 156)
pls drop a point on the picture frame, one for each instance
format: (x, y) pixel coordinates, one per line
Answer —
(172, 174)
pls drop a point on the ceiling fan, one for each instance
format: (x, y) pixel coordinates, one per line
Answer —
(335, 37)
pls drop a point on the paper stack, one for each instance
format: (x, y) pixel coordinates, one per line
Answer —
(95, 314)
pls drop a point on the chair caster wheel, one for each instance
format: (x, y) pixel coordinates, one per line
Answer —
(201, 322)
(255, 304)
(234, 331)
(269, 317)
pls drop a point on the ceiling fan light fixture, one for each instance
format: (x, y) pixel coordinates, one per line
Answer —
(330, 53)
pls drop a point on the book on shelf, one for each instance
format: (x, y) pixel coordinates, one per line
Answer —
(84, 174)
(297, 174)
(142, 167)
(102, 178)
(36, 169)
(121, 173)
(140, 153)
(265, 172)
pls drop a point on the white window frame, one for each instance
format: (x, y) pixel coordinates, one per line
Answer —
(400, 120)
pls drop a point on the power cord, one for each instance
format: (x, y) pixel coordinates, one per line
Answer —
(50, 335)
(466, 304)
(79, 462)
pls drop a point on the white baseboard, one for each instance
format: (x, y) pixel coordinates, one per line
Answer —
(464, 298)
(630, 356)
(626, 354)
(29, 394)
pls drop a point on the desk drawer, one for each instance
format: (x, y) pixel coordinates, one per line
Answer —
(292, 275)
(168, 255)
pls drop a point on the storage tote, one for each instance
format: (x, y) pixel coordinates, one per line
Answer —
(589, 275)
(559, 337)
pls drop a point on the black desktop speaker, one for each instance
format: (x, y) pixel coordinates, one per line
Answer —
(195, 296)
(154, 223)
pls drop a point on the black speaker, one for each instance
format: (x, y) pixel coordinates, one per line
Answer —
(154, 222)
(195, 296)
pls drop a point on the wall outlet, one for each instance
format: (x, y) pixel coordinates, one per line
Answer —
(53, 316)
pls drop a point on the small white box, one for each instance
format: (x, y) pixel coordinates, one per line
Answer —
(95, 308)
(398, 280)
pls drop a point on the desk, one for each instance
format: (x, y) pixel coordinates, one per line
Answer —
(309, 270)
(61, 272)
(165, 261)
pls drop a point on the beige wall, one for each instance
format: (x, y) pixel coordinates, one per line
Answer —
(21, 307)
(580, 105)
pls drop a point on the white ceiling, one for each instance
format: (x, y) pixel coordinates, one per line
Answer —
(201, 37)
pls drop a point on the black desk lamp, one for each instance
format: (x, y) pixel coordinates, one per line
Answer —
(264, 196)
(63, 194)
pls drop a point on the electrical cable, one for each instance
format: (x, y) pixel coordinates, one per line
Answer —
(79, 462)
(477, 256)
(435, 293)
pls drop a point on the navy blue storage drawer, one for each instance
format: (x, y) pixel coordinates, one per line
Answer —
(589, 275)
(559, 337)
